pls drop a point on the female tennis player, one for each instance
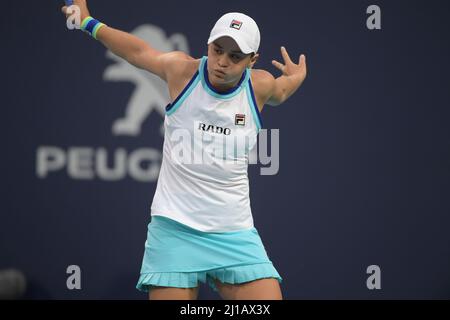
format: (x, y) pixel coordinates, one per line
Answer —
(201, 227)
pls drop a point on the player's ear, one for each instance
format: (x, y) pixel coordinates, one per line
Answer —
(253, 59)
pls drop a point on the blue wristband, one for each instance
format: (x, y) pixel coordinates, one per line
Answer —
(91, 26)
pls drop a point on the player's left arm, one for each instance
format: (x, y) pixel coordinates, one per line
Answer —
(291, 79)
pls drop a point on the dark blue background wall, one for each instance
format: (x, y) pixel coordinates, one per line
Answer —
(364, 173)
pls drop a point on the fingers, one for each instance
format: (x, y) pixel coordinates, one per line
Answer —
(302, 63)
(68, 11)
(65, 10)
(288, 62)
(302, 60)
(278, 65)
(285, 55)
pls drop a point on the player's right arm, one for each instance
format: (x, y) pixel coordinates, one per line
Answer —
(131, 48)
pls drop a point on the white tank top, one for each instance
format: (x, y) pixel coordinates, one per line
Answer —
(203, 181)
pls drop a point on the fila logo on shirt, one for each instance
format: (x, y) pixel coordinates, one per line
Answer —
(236, 24)
(240, 120)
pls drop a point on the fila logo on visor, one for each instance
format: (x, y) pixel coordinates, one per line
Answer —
(236, 24)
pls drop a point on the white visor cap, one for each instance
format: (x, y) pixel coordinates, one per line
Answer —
(241, 28)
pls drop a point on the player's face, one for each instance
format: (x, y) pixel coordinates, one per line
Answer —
(226, 63)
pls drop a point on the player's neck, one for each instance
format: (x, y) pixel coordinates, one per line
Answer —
(224, 87)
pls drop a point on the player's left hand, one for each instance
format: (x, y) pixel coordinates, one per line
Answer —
(291, 69)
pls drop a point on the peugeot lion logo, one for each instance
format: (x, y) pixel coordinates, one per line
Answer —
(150, 93)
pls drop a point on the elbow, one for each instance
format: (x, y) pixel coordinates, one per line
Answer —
(275, 101)
(278, 98)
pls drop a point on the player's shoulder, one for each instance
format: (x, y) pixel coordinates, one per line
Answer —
(262, 77)
(177, 59)
(179, 64)
(263, 81)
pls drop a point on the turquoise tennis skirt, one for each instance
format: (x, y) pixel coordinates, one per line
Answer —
(179, 256)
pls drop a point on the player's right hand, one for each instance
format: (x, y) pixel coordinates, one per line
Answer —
(82, 4)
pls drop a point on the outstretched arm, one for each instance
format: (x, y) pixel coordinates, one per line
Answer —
(129, 47)
(291, 79)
